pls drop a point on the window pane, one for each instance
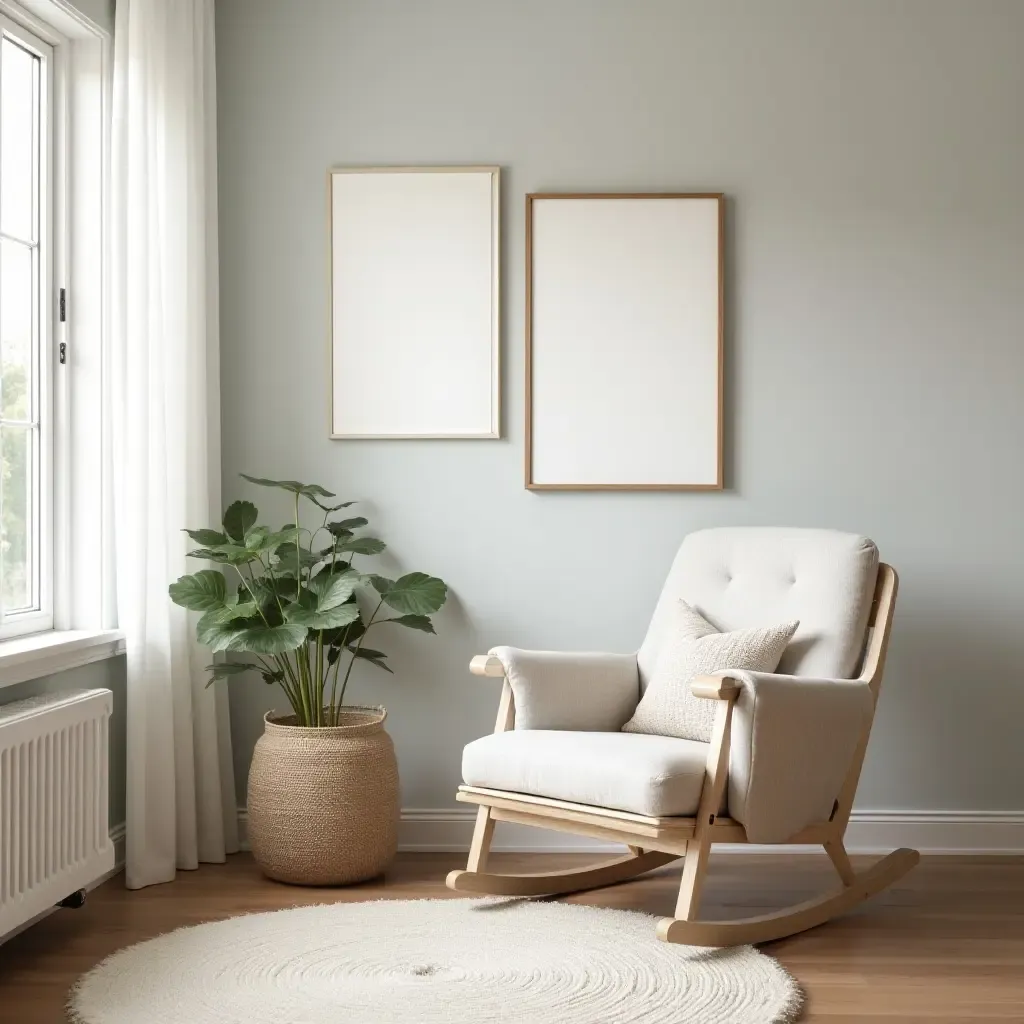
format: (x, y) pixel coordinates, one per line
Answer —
(18, 72)
(16, 589)
(16, 305)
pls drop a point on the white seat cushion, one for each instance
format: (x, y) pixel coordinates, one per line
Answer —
(660, 776)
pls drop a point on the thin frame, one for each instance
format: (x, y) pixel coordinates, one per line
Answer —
(494, 171)
(719, 482)
(40, 618)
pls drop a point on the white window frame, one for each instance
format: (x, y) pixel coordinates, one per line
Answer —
(51, 231)
(84, 607)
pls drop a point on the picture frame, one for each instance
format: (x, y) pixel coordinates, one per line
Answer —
(624, 341)
(415, 347)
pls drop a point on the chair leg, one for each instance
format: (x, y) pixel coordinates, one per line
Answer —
(480, 847)
(840, 861)
(778, 924)
(695, 866)
(558, 883)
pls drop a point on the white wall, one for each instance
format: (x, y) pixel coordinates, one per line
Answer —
(873, 156)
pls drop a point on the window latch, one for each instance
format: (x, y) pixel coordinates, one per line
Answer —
(62, 351)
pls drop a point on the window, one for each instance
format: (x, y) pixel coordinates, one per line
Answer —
(26, 333)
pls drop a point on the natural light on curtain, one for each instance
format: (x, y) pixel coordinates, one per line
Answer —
(165, 425)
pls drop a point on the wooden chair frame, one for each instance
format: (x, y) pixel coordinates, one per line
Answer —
(654, 842)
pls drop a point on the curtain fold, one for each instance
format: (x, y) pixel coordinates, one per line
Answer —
(165, 426)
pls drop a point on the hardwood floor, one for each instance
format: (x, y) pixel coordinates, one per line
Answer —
(946, 944)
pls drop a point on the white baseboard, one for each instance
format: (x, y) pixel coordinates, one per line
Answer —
(117, 838)
(448, 830)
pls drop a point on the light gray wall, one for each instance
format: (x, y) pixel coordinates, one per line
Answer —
(873, 155)
(107, 675)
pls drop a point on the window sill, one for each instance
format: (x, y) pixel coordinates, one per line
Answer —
(43, 654)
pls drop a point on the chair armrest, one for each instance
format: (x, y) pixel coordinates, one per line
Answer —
(793, 742)
(582, 692)
(487, 665)
(715, 687)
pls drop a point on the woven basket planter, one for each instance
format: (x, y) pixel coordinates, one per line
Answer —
(323, 803)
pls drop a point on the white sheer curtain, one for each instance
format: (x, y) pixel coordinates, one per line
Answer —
(165, 426)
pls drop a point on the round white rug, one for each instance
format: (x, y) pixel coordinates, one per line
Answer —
(431, 961)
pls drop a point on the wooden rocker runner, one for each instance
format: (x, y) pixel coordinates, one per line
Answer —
(785, 751)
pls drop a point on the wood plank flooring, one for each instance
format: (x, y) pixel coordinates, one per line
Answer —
(944, 945)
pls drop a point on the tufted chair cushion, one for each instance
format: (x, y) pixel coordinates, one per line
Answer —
(742, 577)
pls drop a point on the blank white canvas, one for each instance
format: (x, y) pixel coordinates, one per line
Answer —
(625, 342)
(415, 303)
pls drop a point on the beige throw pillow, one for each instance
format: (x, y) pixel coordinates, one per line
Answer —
(693, 647)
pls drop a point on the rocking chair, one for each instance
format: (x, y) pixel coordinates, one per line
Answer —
(784, 757)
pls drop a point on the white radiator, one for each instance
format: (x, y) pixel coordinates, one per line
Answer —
(54, 837)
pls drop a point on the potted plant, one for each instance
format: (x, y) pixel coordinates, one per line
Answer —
(323, 786)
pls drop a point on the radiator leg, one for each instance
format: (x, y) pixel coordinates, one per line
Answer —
(73, 902)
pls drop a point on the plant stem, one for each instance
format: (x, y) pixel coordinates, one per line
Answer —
(288, 692)
(320, 672)
(302, 653)
(298, 546)
(248, 587)
(335, 707)
(355, 653)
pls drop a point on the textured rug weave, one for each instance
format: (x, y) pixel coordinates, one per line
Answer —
(432, 961)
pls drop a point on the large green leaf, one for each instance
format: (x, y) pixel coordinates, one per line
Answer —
(254, 537)
(381, 583)
(421, 622)
(416, 594)
(200, 592)
(329, 508)
(207, 554)
(217, 635)
(230, 612)
(267, 589)
(259, 538)
(363, 546)
(230, 554)
(291, 563)
(268, 639)
(313, 618)
(331, 567)
(373, 657)
(334, 590)
(309, 490)
(348, 524)
(346, 634)
(207, 538)
(224, 669)
(238, 517)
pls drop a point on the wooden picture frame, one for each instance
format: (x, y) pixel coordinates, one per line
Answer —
(595, 260)
(414, 307)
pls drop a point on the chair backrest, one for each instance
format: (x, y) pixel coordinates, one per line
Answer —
(739, 577)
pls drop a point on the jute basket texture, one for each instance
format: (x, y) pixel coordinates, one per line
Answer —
(323, 803)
